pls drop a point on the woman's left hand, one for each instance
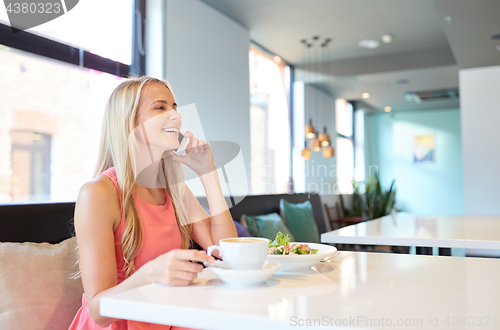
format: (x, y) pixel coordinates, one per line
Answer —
(199, 156)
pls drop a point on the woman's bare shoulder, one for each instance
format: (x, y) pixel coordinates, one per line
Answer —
(100, 187)
(99, 197)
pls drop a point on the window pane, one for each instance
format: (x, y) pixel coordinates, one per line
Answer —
(100, 27)
(269, 124)
(50, 126)
(345, 165)
(359, 145)
(343, 117)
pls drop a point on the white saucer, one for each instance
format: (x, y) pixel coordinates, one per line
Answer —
(247, 277)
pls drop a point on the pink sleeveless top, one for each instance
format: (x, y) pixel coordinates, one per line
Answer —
(160, 235)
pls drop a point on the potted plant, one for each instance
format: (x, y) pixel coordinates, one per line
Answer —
(370, 201)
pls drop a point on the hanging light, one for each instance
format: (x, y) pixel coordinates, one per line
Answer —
(316, 144)
(323, 138)
(309, 131)
(306, 152)
(328, 152)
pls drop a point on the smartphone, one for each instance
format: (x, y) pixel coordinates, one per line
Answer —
(183, 142)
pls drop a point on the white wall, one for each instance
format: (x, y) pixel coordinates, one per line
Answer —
(480, 117)
(207, 64)
(427, 188)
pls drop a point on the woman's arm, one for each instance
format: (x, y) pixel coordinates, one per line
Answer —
(221, 222)
(207, 229)
(97, 216)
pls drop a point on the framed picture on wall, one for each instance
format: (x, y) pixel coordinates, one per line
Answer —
(424, 147)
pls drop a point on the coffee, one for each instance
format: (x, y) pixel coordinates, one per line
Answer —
(240, 240)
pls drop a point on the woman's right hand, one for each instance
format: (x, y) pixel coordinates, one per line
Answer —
(175, 267)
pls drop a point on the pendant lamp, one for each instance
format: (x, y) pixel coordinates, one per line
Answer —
(309, 131)
(306, 152)
(316, 144)
(328, 152)
(324, 138)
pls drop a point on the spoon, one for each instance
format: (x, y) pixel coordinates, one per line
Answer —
(216, 264)
(326, 259)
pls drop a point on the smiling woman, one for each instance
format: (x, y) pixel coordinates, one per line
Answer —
(136, 220)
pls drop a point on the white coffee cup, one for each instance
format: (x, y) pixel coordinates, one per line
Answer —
(242, 252)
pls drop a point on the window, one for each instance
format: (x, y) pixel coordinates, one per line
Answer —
(30, 163)
(359, 145)
(101, 27)
(345, 149)
(54, 86)
(269, 123)
(50, 137)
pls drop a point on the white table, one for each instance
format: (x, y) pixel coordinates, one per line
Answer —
(358, 289)
(403, 229)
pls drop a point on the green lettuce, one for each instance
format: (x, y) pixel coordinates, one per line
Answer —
(281, 239)
(300, 251)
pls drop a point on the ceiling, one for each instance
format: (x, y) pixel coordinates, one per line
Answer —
(426, 53)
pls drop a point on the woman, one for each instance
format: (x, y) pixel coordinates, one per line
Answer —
(136, 219)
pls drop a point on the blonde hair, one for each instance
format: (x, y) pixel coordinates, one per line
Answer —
(118, 149)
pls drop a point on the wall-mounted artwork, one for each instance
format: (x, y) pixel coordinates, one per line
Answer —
(424, 147)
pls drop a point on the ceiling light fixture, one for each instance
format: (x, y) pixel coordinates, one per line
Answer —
(306, 152)
(369, 44)
(365, 95)
(316, 144)
(328, 152)
(387, 38)
(324, 138)
(277, 59)
(309, 130)
(387, 109)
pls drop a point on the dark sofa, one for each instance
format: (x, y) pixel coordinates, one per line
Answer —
(41, 222)
(53, 222)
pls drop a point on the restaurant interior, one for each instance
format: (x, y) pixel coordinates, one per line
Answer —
(365, 128)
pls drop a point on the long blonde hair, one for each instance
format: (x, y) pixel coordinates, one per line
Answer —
(118, 149)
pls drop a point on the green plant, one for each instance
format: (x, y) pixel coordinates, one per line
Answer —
(373, 202)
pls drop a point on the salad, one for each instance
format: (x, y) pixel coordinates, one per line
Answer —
(282, 246)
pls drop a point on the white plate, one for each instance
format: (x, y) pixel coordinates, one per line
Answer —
(303, 261)
(247, 277)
